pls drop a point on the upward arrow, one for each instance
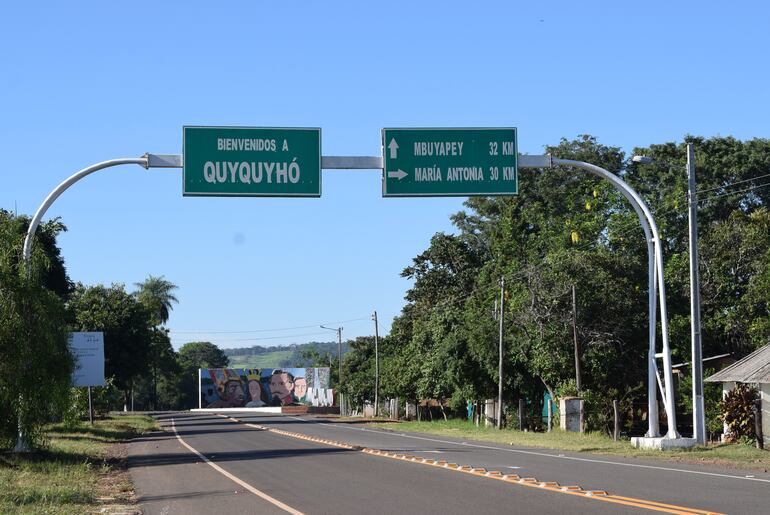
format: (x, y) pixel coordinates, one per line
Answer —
(393, 147)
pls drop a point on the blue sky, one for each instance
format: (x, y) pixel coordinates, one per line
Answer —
(84, 82)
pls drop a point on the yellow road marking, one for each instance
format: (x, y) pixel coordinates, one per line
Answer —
(551, 486)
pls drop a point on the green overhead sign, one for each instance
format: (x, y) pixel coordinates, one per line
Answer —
(449, 162)
(251, 162)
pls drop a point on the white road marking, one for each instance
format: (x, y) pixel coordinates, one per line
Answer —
(244, 484)
(548, 455)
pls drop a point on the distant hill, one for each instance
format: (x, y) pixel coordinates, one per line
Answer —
(280, 356)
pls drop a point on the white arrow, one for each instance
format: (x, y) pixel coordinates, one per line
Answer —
(393, 146)
(400, 174)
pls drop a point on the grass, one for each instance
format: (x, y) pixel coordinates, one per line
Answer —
(75, 471)
(728, 455)
(267, 360)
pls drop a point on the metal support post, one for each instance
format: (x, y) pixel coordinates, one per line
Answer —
(655, 282)
(500, 363)
(698, 408)
(376, 365)
(90, 408)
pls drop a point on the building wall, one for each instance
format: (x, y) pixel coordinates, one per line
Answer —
(764, 391)
(726, 387)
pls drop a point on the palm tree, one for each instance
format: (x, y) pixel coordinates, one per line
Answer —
(156, 295)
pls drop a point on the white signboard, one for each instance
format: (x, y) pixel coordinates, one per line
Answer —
(88, 350)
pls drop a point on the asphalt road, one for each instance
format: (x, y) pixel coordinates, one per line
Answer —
(246, 463)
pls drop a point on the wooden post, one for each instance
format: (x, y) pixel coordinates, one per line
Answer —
(521, 414)
(550, 414)
(615, 409)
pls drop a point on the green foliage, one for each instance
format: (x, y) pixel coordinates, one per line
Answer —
(734, 238)
(103, 400)
(202, 355)
(35, 364)
(712, 396)
(737, 412)
(67, 476)
(358, 369)
(569, 229)
(155, 294)
(127, 328)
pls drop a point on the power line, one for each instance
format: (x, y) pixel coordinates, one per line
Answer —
(270, 330)
(733, 183)
(264, 337)
(728, 193)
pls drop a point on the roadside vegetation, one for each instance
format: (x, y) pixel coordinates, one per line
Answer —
(563, 232)
(77, 468)
(567, 231)
(735, 455)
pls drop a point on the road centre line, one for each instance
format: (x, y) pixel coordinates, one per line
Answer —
(598, 495)
(545, 454)
(242, 483)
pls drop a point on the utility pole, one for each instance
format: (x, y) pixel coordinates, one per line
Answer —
(500, 363)
(339, 358)
(575, 339)
(698, 412)
(376, 365)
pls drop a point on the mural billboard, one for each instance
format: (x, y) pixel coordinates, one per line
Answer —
(256, 388)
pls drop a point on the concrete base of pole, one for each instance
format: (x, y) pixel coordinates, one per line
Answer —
(663, 443)
(21, 446)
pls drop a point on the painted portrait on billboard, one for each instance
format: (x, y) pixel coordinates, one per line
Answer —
(256, 388)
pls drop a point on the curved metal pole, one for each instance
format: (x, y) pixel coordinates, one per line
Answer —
(653, 424)
(639, 204)
(143, 161)
(21, 444)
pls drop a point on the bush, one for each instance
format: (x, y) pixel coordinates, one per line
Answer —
(737, 413)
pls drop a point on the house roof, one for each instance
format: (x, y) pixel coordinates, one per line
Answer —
(754, 368)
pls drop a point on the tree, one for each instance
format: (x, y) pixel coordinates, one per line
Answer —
(191, 357)
(358, 370)
(203, 355)
(35, 363)
(732, 223)
(567, 229)
(155, 293)
(127, 328)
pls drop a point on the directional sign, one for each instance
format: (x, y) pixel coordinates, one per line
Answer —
(449, 162)
(252, 162)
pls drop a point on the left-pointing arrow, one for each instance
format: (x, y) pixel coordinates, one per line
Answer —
(400, 174)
